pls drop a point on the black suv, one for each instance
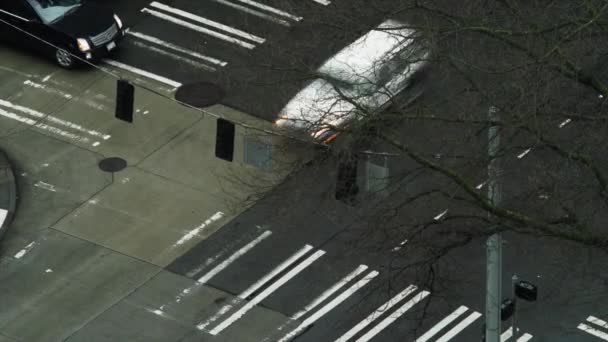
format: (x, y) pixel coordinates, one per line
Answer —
(61, 29)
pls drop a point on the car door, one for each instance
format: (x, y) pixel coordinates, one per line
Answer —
(20, 24)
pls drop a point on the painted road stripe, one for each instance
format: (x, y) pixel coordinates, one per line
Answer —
(270, 289)
(54, 119)
(392, 317)
(208, 22)
(45, 127)
(253, 12)
(174, 47)
(509, 333)
(24, 251)
(220, 267)
(194, 232)
(144, 73)
(459, 327)
(352, 275)
(525, 338)
(593, 331)
(377, 313)
(280, 268)
(523, 154)
(197, 28)
(271, 9)
(329, 306)
(322, 2)
(442, 324)
(3, 214)
(598, 322)
(179, 58)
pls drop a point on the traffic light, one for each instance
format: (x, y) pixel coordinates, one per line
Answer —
(526, 291)
(507, 308)
(346, 184)
(124, 100)
(224, 140)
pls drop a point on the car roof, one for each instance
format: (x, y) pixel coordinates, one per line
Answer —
(360, 59)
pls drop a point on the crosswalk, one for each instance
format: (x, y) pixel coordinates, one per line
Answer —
(324, 304)
(177, 43)
(596, 327)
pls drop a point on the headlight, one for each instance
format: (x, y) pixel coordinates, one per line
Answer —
(83, 45)
(118, 21)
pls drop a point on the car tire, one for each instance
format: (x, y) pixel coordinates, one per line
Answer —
(64, 59)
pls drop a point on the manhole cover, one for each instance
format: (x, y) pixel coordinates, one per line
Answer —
(113, 164)
(200, 94)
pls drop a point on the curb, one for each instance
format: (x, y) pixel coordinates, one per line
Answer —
(8, 197)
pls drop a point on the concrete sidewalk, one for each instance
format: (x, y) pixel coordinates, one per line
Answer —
(8, 193)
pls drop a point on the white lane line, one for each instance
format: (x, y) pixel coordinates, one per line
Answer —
(329, 306)
(564, 123)
(523, 154)
(377, 313)
(392, 317)
(401, 244)
(442, 214)
(217, 269)
(253, 12)
(525, 338)
(194, 232)
(271, 9)
(45, 186)
(598, 322)
(54, 119)
(51, 90)
(593, 331)
(442, 324)
(201, 326)
(322, 2)
(174, 56)
(177, 48)
(24, 251)
(459, 327)
(280, 268)
(3, 214)
(352, 275)
(208, 22)
(144, 73)
(45, 127)
(270, 289)
(198, 28)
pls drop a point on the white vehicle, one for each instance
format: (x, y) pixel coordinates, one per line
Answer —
(366, 74)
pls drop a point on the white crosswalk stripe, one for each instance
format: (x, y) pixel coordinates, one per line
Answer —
(376, 314)
(197, 28)
(144, 73)
(459, 327)
(266, 292)
(393, 316)
(599, 328)
(174, 47)
(204, 21)
(329, 306)
(271, 9)
(253, 12)
(442, 324)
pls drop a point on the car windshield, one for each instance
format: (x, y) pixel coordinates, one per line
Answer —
(53, 10)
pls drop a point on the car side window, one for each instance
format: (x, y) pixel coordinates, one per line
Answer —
(18, 8)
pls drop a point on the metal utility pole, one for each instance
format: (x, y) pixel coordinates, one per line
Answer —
(494, 243)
